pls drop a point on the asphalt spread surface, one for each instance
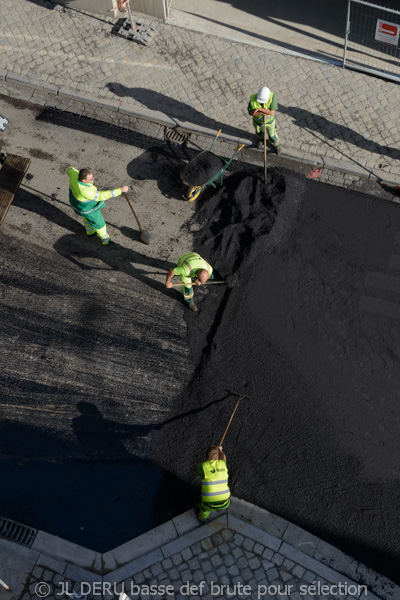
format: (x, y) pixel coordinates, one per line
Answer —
(310, 335)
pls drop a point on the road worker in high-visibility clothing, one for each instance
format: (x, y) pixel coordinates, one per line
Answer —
(263, 105)
(192, 270)
(215, 492)
(87, 201)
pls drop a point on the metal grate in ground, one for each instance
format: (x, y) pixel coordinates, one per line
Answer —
(16, 532)
(177, 137)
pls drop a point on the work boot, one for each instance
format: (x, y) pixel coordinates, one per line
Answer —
(192, 306)
(278, 149)
(105, 241)
(197, 512)
(259, 144)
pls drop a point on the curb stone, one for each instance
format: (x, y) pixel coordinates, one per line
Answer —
(346, 167)
(253, 527)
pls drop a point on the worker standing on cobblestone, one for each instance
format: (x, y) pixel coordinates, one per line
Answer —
(215, 492)
(87, 201)
(193, 270)
(264, 104)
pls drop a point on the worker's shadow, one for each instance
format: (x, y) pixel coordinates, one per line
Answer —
(178, 111)
(99, 437)
(163, 165)
(78, 248)
(46, 209)
(317, 124)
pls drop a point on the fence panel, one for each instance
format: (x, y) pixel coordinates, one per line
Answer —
(372, 39)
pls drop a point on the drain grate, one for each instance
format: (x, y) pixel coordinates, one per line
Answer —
(170, 135)
(16, 532)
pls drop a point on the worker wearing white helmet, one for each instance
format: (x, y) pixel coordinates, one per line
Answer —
(264, 104)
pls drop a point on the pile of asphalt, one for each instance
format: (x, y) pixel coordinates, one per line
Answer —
(240, 212)
(202, 168)
(317, 440)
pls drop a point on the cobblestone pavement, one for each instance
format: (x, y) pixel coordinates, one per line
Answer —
(245, 553)
(324, 111)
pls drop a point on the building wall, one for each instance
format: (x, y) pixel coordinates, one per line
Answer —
(155, 8)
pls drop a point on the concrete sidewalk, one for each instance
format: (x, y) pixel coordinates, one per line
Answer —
(329, 115)
(245, 552)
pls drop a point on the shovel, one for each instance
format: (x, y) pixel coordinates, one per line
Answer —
(230, 282)
(265, 150)
(144, 236)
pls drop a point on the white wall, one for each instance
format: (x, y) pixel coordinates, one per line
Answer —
(156, 8)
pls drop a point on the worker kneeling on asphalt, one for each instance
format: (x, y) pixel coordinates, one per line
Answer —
(87, 201)
(192, 270)
(264, 104)
(215, 492)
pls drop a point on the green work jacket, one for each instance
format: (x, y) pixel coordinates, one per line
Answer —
(85, 197)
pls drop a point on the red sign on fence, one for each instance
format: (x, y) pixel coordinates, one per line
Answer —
(387, 32)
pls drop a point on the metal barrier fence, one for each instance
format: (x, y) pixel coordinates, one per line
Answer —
(372, 39)
(167, 4)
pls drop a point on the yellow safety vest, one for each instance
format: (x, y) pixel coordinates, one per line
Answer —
(193, 262)
(214, 485)
(255, 104)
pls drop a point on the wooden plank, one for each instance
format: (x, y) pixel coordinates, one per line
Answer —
(11, 175)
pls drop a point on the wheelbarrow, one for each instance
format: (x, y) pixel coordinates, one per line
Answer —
(203, 170)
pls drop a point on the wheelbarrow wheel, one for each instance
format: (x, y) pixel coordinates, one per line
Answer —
(192, 193)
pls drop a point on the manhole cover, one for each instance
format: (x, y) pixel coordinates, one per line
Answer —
(176, 137)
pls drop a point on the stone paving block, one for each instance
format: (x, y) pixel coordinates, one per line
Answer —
(186, 522)
(63, 550)
(192, 537)
(252, 532)
(37, 572)
(298, 571)
(81, 575)
(135, 566)
(177, 559)
(310, 563)
(49, 562)
(309, 576)
(277, 559)
(258, 548)
(20, 553)
(335, 558)
(19, 79)
(141, 545)
(272, 574)
(267, 554)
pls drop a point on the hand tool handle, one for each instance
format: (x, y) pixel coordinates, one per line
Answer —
(135, 215)
(265, 150)
(190, 284)
(230, 420)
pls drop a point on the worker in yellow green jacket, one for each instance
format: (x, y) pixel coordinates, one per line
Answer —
(87, 201)
(264, 104)
(215, 492)
(192, 270)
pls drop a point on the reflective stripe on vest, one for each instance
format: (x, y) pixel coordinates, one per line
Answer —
(213, 488)
(255, 104)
